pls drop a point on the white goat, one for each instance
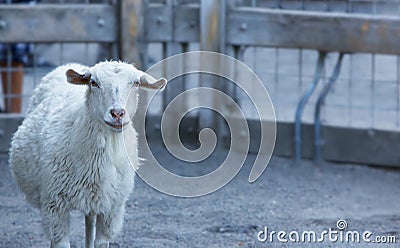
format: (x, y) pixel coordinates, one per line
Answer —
(69, 152)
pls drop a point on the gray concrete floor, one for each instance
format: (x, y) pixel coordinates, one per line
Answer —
(299, 197)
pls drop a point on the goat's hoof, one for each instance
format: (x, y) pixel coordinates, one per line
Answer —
(101, 244)
(60, 245)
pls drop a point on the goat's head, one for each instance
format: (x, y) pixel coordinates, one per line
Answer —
(113, 86)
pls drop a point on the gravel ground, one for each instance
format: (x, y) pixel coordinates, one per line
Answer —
(287, 197)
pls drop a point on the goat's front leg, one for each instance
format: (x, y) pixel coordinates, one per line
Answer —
(90, 225)
(56, 225)
(107, 226)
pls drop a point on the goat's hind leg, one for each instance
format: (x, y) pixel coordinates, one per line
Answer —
(90, 228)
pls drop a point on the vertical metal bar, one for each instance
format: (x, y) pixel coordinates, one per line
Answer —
(276, 78)
(185, 49)
(7, 95)
(61, 53)
(398, 82)
(239, 55)
(255, 63)
(212, 38)
(317, 114)
(374, 9)
(255, 57)
(398, 93)
(236, 51)
(86, 53)
(278, 4)
(164, 55)
(372, 113)
(348, 6)
(302, 103)
(328, 5)
(300, 64)
(169, 49)
(398, 7)
(350, 99)
(34, 63)
(10, 70)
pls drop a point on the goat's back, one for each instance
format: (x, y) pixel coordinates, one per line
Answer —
(52, 99)
(54, 86)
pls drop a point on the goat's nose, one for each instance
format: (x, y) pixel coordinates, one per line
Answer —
(117, 113)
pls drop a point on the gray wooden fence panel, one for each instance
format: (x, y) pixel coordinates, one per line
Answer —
(187, 23)
(55, 23)
(158, 21)
(313, 30)
(162, 25)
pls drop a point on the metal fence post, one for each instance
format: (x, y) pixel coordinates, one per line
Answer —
(131, 41)
(131, 32)
(177, 85)
(317, 114)
(212, 38)
(302, 103)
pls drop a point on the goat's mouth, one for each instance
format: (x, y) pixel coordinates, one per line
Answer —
(117, 125)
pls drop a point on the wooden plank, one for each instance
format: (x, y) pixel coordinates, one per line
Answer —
(131, 46)
(187, 23)
(55, 23)
(323, 31)
(158, 23)
(172, 23)
(212, 25)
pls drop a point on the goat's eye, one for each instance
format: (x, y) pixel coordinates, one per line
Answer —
(94, 84)
(136, 83)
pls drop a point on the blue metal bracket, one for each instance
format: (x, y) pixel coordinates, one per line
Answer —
(302, 103)
(317, 114)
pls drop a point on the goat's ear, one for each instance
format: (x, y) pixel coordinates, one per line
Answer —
(74, 77)
(148, 82)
